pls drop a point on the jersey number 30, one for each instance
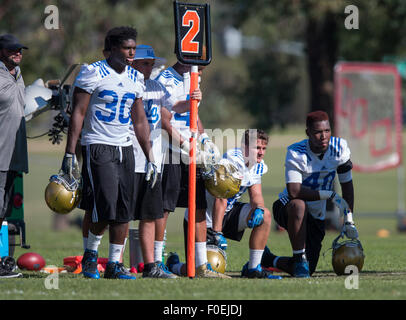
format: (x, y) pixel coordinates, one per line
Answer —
(113, 107)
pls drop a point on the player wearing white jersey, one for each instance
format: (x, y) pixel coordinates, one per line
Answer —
(175, 178)
(107, 97)
(310, 168)
(149, 200)
(230, 217)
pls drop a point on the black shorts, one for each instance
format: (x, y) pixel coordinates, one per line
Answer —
(148, 201)
(108, 182)
(315, 232)
(175, 187)
(231, 221)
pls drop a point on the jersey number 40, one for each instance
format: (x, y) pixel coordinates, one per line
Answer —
(313, 183)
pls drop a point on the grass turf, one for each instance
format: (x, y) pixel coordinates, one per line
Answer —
(383, 276)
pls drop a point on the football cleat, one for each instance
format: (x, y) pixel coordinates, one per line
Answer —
(257, 273)
(116, 270)
(7, 267)
(6, 274)
(172, 259)
(206, 271)
(159, 270)
(301, 269)
(267, 258)
(89, 264)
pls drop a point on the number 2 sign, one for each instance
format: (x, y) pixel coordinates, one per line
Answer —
(192, 28)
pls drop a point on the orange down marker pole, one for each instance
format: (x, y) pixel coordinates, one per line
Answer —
(194, 81)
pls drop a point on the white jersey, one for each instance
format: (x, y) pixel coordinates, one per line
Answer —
(179, 88)
(305, 167)
(112, 95)
(251, 176)
(155, 97)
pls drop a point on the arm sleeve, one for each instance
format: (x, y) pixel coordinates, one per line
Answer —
(344, 172)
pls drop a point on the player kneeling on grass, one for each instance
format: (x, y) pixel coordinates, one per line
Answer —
(228, 218)
(310, 169)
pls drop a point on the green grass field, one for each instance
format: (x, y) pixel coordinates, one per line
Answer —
(383, 276)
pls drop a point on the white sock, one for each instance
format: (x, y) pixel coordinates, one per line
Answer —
(115, 252)
(299, 251)
(201, 253)
(122, 250)
(255, 258)
(93, 241)
(84, 243)
(158, 248)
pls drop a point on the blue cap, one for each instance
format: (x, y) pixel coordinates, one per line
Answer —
(143, 51)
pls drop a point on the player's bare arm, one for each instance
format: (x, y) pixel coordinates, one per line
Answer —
(297, 191)
(81, 100)
(347, 190)
(200, 127)
(256, 197)
(219, 208)
(141, 128)
(166, 125)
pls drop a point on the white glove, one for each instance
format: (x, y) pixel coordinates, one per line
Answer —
(349, 228)
(212, 154)
(337, 200)
(200, 155)
(185, 146)
(152, 174)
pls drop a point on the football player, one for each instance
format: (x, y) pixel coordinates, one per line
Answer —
(107, 97)
(175, 177)
(149, 204)
(229, 218)
(310, 168)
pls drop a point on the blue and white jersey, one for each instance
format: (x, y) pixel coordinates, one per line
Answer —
(112, 95)
(155, 97)
(179, 87)
(251, 176)
(305, 167)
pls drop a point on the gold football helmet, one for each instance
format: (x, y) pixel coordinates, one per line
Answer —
(223, 180)
(62, 194)
(217, 258)
(346, 253)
